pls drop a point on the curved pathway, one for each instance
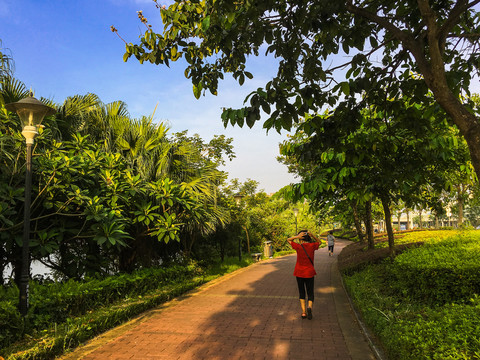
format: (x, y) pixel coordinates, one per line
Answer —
(253, 313)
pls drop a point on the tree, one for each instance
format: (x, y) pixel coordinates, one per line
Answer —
(7, 66)
(108, 190)
(422, 46)
(376, 156)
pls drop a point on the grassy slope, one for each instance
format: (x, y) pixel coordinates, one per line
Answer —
(424, 303)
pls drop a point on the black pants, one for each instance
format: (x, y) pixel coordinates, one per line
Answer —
(305, 285)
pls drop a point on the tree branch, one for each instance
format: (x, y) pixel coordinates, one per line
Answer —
(475, 36)
(407, 39)
(460, 7)
(381, 21)
(44, 188)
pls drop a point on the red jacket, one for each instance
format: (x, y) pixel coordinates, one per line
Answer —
(303, 267)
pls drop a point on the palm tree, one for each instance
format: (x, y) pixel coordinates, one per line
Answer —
(7, 66)
(145, 146)
(73, 115)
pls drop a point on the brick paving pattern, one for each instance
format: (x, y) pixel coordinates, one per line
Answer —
(253, 314)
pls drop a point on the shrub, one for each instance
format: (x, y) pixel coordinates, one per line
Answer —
(408, 302)
(55, 303)
(11, 323)
(438, 273)
(451, 332)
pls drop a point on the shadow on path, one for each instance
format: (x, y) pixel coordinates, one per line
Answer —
(253, 314)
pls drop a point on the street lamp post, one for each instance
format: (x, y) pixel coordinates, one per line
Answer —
(238, 198)
(295, 212)
(31, 113)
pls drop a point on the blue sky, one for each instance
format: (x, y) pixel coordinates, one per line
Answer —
(65, 47)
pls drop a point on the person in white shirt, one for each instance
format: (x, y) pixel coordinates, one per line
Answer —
(330, 242)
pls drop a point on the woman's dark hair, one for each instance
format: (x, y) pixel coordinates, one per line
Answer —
(306, 237)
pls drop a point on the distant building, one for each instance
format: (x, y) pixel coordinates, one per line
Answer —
(407, 222)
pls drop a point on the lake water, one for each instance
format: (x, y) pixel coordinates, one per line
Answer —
(36, 268)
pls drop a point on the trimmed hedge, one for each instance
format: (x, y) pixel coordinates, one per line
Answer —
(72, 298)
(438, 273)
(410, 330)
(11, 323)
(425, 303)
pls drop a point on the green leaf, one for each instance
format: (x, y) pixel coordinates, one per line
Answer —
(241, 79)
(266, 107)
(206, 23)
(197, 90)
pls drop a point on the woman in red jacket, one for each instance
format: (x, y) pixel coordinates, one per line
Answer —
(306, 245)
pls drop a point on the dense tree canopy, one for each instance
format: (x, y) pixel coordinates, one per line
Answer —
(377, 157)
(393, 49)
(108, 190)
(111, 193)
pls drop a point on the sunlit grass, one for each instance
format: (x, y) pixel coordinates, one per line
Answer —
(424, 304)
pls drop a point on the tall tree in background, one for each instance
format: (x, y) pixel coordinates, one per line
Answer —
(376, 156)
(436, 40)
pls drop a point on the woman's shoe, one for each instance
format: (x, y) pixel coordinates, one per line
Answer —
(304, 316)
(309, 312)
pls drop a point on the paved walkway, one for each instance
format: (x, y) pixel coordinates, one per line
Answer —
(253, 313)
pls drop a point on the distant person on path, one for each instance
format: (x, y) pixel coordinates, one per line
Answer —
(304, 269)
(330, 242)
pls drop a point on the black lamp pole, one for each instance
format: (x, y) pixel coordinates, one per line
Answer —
(25, 274)
(238, 198)
(31, 113)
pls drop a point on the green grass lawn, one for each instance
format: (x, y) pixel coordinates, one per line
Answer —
(424, 304)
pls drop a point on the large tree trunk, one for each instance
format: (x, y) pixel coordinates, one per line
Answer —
(369, 224)
(431, 64)
(388, 223)
(358, 225)
(221, 243)
(127, 257)
(466, 122)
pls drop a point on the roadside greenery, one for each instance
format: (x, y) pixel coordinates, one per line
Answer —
(114, 194)
(121, 209)
(425, 303)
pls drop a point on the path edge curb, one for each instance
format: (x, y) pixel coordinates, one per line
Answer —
(377, 352)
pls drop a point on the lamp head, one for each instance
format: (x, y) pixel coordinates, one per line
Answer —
(238, 198)
(31, 113)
